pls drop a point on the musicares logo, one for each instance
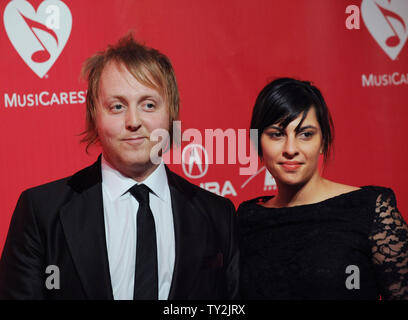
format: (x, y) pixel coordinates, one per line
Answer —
(38, 36)
(387, 22)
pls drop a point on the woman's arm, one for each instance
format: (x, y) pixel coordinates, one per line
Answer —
(389, 238)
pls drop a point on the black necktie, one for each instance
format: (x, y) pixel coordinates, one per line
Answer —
(146, 274)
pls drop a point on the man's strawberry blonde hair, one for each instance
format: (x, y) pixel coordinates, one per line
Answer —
(147, 65)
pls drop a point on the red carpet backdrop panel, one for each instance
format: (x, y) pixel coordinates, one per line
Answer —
(223, 53)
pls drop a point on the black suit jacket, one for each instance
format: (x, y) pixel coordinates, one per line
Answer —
(62, 223)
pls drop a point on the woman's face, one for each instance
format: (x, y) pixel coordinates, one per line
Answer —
(292, 155)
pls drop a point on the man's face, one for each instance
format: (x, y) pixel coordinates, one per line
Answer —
(127, 112)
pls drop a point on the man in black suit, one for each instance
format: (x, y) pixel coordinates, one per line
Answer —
(126, 227)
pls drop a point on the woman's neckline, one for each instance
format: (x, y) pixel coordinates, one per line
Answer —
(263, 199)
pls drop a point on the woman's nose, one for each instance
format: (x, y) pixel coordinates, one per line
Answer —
(290, 148)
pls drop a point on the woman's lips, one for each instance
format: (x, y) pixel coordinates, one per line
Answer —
(291, 166)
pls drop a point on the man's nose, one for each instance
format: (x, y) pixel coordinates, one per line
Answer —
(133, 119)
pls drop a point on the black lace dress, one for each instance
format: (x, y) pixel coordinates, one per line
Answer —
(352, 246)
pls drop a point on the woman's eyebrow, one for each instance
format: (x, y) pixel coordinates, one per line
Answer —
(305, 128)
(275, 127)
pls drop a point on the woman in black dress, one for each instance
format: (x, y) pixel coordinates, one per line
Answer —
(316, 239)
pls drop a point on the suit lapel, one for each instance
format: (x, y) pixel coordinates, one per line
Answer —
(83, 224)
(190, 237)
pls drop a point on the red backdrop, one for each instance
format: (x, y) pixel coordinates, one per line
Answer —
(223, 53)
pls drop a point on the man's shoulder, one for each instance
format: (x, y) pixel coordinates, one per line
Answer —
(73, 183)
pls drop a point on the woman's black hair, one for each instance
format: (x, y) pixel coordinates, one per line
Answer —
(283, 100)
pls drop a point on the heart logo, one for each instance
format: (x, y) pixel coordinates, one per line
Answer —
(387, 21)
(39, 37)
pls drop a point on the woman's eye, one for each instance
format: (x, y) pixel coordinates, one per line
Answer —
(275, 134)
(307, 134)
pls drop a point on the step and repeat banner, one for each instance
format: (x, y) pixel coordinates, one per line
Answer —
(223, 53)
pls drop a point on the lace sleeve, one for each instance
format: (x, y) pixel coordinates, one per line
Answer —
(389, 237)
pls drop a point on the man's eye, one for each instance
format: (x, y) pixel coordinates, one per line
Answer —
(117, 107)
(149, 106)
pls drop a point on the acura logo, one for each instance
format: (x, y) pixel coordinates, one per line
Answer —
(192, 161)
